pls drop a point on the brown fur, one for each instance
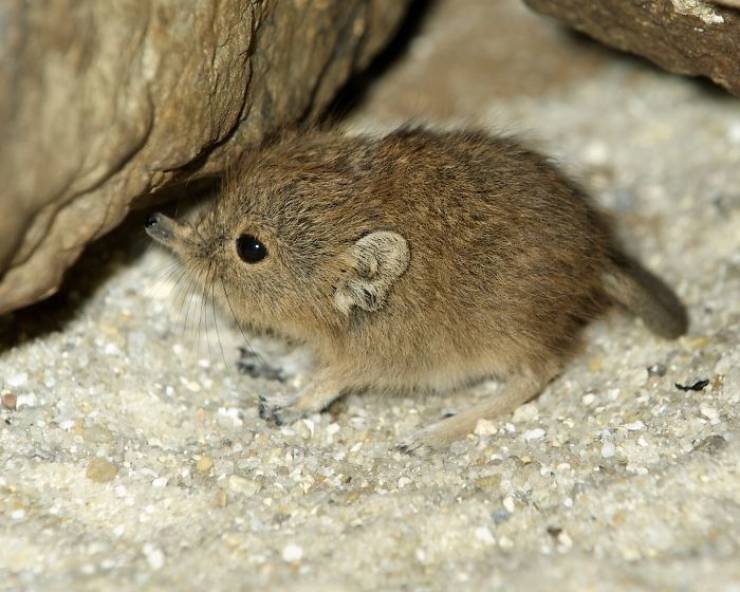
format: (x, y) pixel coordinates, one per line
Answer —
(504, 261)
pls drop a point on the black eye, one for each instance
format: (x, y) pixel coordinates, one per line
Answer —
(250, 249)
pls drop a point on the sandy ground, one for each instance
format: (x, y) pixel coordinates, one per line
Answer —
(134, 458)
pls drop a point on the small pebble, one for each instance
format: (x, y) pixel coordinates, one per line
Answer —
(710, 413)
(485, 427)
(607, 449)
(154, 556)
(305, 428)
(160, 289)
(526, 412)
(634, 377)
(17, 380)
(244, 486)
(101, 470)
(535, 434)
(27, 400)
(711, 444)
(483, 534)
(403, 482)
(596, 153)
(509, 504)
(292, 553)
(500, 516)
(733, 132)
(229, 415)
(220, 500)
(564, 542)
(204, 464)
(97, 434)
(191, 385)
(9, 401)
(332, 429)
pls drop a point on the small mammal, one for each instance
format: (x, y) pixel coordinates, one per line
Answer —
(420, 260)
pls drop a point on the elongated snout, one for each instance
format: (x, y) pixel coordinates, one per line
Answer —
(161, 228)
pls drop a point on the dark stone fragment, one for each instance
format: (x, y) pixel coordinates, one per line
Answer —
(697, 386)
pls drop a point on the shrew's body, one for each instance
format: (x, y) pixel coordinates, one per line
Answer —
(419, 260)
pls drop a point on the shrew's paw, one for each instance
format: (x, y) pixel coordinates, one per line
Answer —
(421, 442)
(279, 409)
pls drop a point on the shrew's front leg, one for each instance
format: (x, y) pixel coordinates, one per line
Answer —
(323, 389)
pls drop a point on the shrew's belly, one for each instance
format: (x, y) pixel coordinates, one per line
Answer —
(435, 370)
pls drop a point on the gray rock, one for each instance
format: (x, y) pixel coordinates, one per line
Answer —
(104, 103)
(682, 36)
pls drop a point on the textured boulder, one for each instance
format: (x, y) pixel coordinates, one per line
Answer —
(104, 102)
(683, 36)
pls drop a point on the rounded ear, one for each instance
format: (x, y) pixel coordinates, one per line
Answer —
(375, 262)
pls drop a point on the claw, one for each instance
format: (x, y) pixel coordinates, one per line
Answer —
(405, 448)
(277, 410)
(264, 410)
(421, 441)
(409, 445)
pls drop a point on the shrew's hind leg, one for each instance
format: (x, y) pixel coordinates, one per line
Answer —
(518, 390)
